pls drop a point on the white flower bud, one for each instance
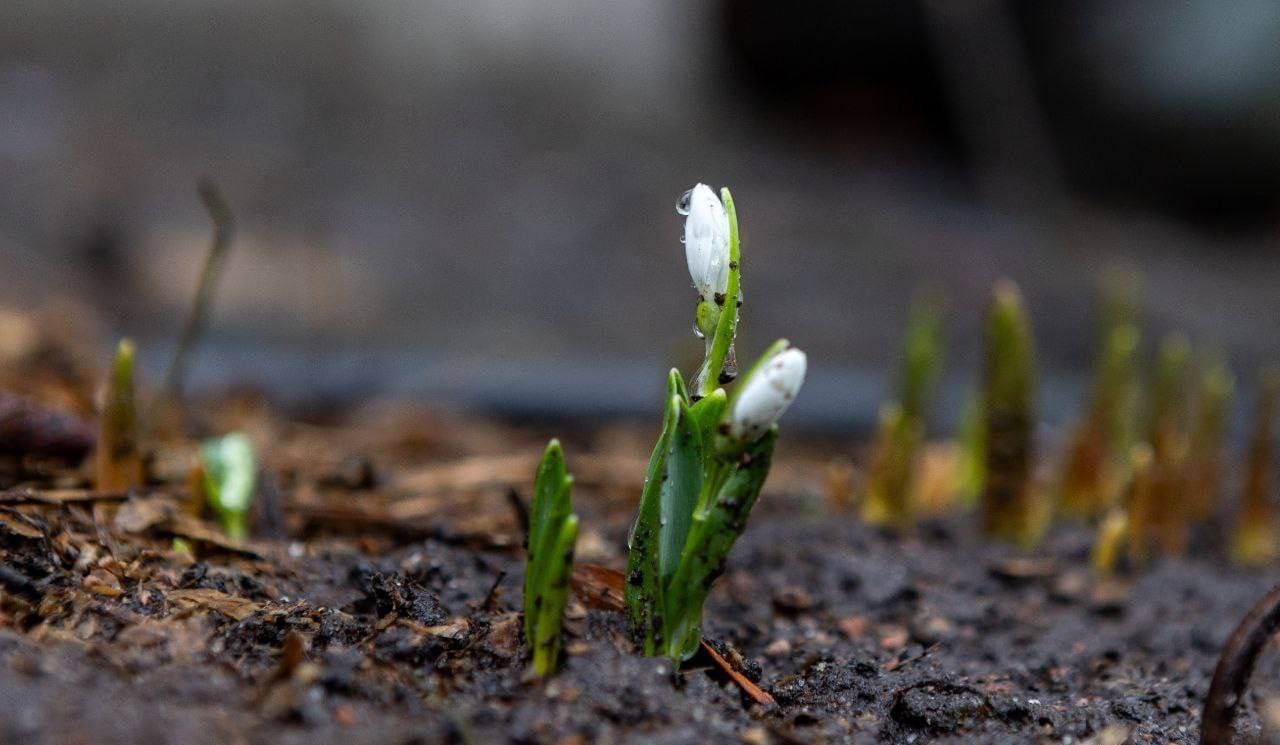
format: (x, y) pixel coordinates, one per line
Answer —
(706, 240)
(766, 393)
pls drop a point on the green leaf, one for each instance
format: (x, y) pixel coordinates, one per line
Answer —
(555, 582)
(552, 493)
(681, 486)
(643, 589)
(708, 415)
(230, 480)
(716, 527)
(921, 361)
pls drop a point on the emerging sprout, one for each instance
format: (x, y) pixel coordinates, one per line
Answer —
(705, 473)
(1096, 462)
(1008, 398)
(889, 494)
(1168, 521)
(972, 469)
(1143, 522)
(1205, 466)
(1256, 538)
(119, 461)
(553, 534)
(230, 481)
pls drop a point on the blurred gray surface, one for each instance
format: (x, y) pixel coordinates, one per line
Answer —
(476, 201)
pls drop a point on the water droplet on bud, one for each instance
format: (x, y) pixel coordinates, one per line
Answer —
(682, 204)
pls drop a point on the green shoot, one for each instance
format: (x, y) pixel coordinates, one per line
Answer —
(1168, 524)
(1256, 538)
(1008, 511)
(1205, 467)
(1143, 528)
(889, 496)
(230, 480)
(553, 534)
(1097, 454)
(972, 470)
(713, 454)
(119, 460)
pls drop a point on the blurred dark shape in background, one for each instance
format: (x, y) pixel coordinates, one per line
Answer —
(475, 200)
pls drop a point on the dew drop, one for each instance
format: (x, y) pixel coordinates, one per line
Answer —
(697, 331)
(682, 204)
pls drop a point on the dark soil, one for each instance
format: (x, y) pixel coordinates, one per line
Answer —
(387, 612)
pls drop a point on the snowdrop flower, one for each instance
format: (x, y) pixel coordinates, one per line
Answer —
(766, 393)
(706, 240)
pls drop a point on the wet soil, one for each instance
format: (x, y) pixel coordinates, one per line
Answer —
(386, 610)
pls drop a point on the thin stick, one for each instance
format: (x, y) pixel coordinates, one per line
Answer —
(1235, 667)
(202, 305)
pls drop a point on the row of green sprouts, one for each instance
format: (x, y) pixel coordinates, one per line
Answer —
(704, 475)
(1146, 461)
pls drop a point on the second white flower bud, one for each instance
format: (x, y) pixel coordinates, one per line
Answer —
(766, 393)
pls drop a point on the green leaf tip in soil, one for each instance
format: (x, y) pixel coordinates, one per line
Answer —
(713, 453)
(119, 460)
(1256, 536)
(1095, 466)
(553, 535)
(230, 481)
(889, 494)
(1008, 393)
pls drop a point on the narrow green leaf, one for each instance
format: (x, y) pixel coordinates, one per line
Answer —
(1009, 399)
(681, 487)
(552, 494)
(643, 589)
(716, 527)
(557, 577)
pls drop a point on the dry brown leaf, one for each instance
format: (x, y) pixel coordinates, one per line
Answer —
(233, 607)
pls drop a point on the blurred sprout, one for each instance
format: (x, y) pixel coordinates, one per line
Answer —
(230, 480)
(119, 460)
(1113, 531)
(1168, 524)
(1143, 510)
(553, 534)
(889, 496)
(1097, 455)
(1205, 467)
(1008, 508)
(972, 469)
(1256, 538)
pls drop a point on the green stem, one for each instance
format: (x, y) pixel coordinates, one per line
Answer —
(727, 327)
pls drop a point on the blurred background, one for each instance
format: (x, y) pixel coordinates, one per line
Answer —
(474, 202)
